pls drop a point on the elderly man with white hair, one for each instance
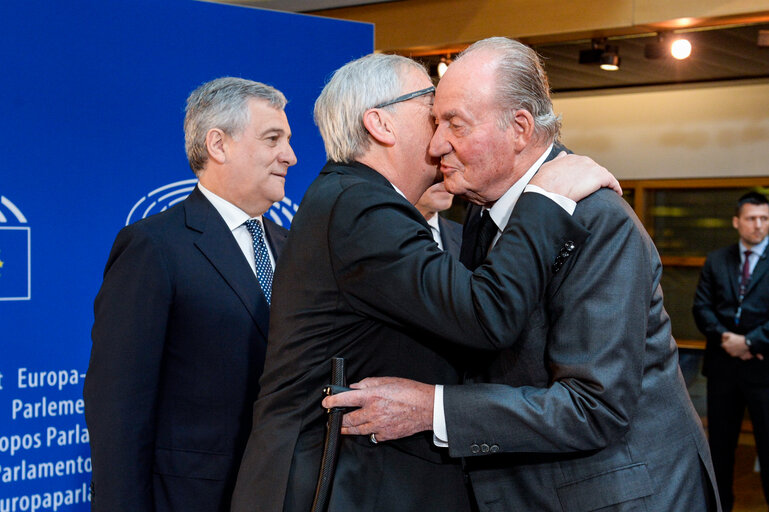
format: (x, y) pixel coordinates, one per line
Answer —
(586, 408)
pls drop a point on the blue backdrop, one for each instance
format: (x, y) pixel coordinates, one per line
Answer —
(92, 103)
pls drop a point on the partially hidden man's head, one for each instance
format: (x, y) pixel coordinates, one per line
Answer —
(751, 219)
(377, 103)
(237, 141)
(492, 105)
(435, 199)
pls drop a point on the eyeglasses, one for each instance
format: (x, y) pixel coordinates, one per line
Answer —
(406, 97)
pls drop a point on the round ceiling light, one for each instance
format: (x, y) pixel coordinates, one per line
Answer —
(681, 49)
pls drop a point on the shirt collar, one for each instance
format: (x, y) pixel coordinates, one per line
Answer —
(502, 210)
(233, 216)
(397, 190)
(757, 249)
(433, 222)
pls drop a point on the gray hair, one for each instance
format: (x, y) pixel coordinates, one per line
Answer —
(521, 84)
(354, 88)
(223, 104)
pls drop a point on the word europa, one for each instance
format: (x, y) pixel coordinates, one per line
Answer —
(53, 378)
(53, 437)
(45, 501)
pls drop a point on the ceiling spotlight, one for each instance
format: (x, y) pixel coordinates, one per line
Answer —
(605, 55)
(593, 55)
(610, 58)
(681, 49)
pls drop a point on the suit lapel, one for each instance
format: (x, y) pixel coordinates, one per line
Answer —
(560, 276)
(222, 251)
(276, 237)
(450, 243)
(733, 270)
(758, 272)
(469, 235)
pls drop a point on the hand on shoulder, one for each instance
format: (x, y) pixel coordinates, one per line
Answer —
(574, 176)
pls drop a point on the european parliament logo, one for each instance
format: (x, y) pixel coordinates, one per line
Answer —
(282, 212)
(163, 198)
(15, 256)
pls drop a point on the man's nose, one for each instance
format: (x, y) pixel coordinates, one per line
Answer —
(439, 146)
(288, 156)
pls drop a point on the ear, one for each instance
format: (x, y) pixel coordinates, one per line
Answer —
(215, 145)
(379, 125)
(522, 129)
(735, 222)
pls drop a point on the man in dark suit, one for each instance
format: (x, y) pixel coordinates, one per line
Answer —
(361, 278)
(731, 308)
(181, 319)
(446, 233)
(587, 410)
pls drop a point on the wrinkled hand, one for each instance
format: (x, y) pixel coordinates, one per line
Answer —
(390, 407)
(574, 176)
(735, 346)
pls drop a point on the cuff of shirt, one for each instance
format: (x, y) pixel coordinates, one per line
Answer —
(562, 201)
(440, 436)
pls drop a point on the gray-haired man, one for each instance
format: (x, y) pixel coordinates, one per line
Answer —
(182, 316)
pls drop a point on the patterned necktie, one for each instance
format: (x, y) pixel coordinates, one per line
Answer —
(486, 232)
(745, 272)
(263, 266)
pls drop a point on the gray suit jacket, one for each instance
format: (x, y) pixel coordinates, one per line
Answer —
(588, 410)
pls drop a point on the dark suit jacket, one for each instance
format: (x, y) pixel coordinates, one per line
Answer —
(451, 236)
(362, 278)
(715, 306)
(178, 345)
(588, 409)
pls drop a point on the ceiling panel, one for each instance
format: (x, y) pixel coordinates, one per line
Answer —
(730, 53)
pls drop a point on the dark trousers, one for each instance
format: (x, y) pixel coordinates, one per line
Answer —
(727, 399)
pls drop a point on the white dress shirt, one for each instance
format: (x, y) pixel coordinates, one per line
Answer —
(756, 253)
(234, 217)
(435, 229)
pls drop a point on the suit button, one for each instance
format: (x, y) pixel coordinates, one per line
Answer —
(485, 448)
(475, 448)
(494, 448)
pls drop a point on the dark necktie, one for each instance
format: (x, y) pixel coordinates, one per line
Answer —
(745, 272)
(263, 265)
(486, 232)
